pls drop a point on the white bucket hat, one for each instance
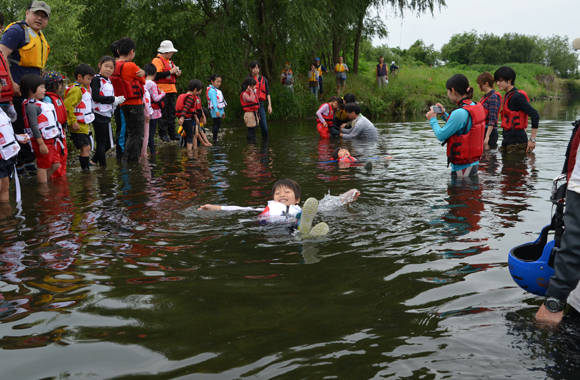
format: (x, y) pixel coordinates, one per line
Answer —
(166, 47)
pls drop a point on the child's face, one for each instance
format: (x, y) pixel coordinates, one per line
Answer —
(217, 82)
(197, 91)
(343, 153)
(85, 80)
(107, 68)
(285, 196)
(256, 70)
(40, 92)
(252, 88)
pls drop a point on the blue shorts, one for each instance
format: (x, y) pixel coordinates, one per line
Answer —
(7, 167)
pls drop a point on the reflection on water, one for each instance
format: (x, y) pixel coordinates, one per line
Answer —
(118, 272)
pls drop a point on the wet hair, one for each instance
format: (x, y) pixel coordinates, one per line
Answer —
(254, 64)
(213, 77)
(125, 45)
(460, 84)
(485, 78)
(353, 107)
(249, 81)
(349, 98)
(150, 69)
(506, 73)
(114, 47)
(292, 185)
(194, 84)
(29, 83)
(335, 153)
(83, 69)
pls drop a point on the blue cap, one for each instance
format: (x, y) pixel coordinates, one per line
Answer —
(317, 59)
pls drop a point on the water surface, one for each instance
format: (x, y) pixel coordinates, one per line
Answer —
(116, 275)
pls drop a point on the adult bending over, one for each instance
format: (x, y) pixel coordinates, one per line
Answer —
(362, 128)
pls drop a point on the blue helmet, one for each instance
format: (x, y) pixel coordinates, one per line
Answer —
(531, 264)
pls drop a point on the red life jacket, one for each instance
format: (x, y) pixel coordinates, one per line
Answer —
(513, 120)
(261, 88)
(467, 147)
(47, 123)
(347, 159)
(7, 89)
(59, 107)
(167, 66)
(484, 99)
(181, 103)
(250, 106)
(130, 89)
(573, 155)
(330, 117)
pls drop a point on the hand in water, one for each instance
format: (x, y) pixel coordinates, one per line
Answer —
(546, 318)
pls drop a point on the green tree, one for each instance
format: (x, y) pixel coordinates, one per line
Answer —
(561, 57)
(460, 48)
(422, 53)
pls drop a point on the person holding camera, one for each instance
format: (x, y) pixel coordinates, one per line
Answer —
(464, 129)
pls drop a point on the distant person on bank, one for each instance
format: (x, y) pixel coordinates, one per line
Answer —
(321, 70)
(313, 77)
(166, 78)
(362, 128)
(26, 50)
(287, 78)
(491, 102)
(263, 91)
(515, 111)
(381, 72)
(340, 70)
(393, 67)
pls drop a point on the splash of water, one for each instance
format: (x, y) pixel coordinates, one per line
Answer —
(332, 202)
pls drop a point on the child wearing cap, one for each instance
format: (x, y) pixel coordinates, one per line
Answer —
(165, 78)
(53, 84)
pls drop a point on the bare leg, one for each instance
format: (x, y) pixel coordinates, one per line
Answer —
(4, 187)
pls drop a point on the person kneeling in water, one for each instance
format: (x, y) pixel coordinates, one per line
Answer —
(284, 208)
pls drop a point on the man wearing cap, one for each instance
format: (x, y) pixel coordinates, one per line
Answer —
(393, 67)
(26, 50)
(165, 78)
(321, 69)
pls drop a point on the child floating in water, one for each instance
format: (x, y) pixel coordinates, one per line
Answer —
(284, 208)
(342, 155)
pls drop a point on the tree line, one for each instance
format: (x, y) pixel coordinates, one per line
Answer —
(220, 36)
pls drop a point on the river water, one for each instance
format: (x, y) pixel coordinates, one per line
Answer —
(116, 275)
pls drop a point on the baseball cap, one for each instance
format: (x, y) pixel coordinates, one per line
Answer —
(317, 59)
(40, 6)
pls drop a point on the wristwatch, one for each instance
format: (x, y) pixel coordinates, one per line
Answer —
(533, 140)
(554, 305)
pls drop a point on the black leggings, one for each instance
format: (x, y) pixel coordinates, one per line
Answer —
(103, 141)
(217, 123)
(152, 126)
(251, 134)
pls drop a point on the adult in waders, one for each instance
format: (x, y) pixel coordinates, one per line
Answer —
(464, 129)
(26, 50)
(263, 91)
(515, 112)
(166, 78)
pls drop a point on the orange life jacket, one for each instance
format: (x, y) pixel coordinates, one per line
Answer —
(250, 106)
(59, 107)
(467, 147)
(513, 120)
(261, 88)
(167, 66)
(347, 159)
(130, 89)
(7, 89)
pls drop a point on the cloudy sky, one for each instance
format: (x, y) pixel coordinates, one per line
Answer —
(531, 17)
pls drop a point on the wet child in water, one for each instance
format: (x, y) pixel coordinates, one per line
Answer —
(286, 194)
(342, 155)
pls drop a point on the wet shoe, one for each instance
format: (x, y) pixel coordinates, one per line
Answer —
(369, 166)
(307, 216)
(321, 229)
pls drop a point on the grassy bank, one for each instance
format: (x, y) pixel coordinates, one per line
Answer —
(409, 93)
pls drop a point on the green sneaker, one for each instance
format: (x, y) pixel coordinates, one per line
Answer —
(321, 229)
(308, 213)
